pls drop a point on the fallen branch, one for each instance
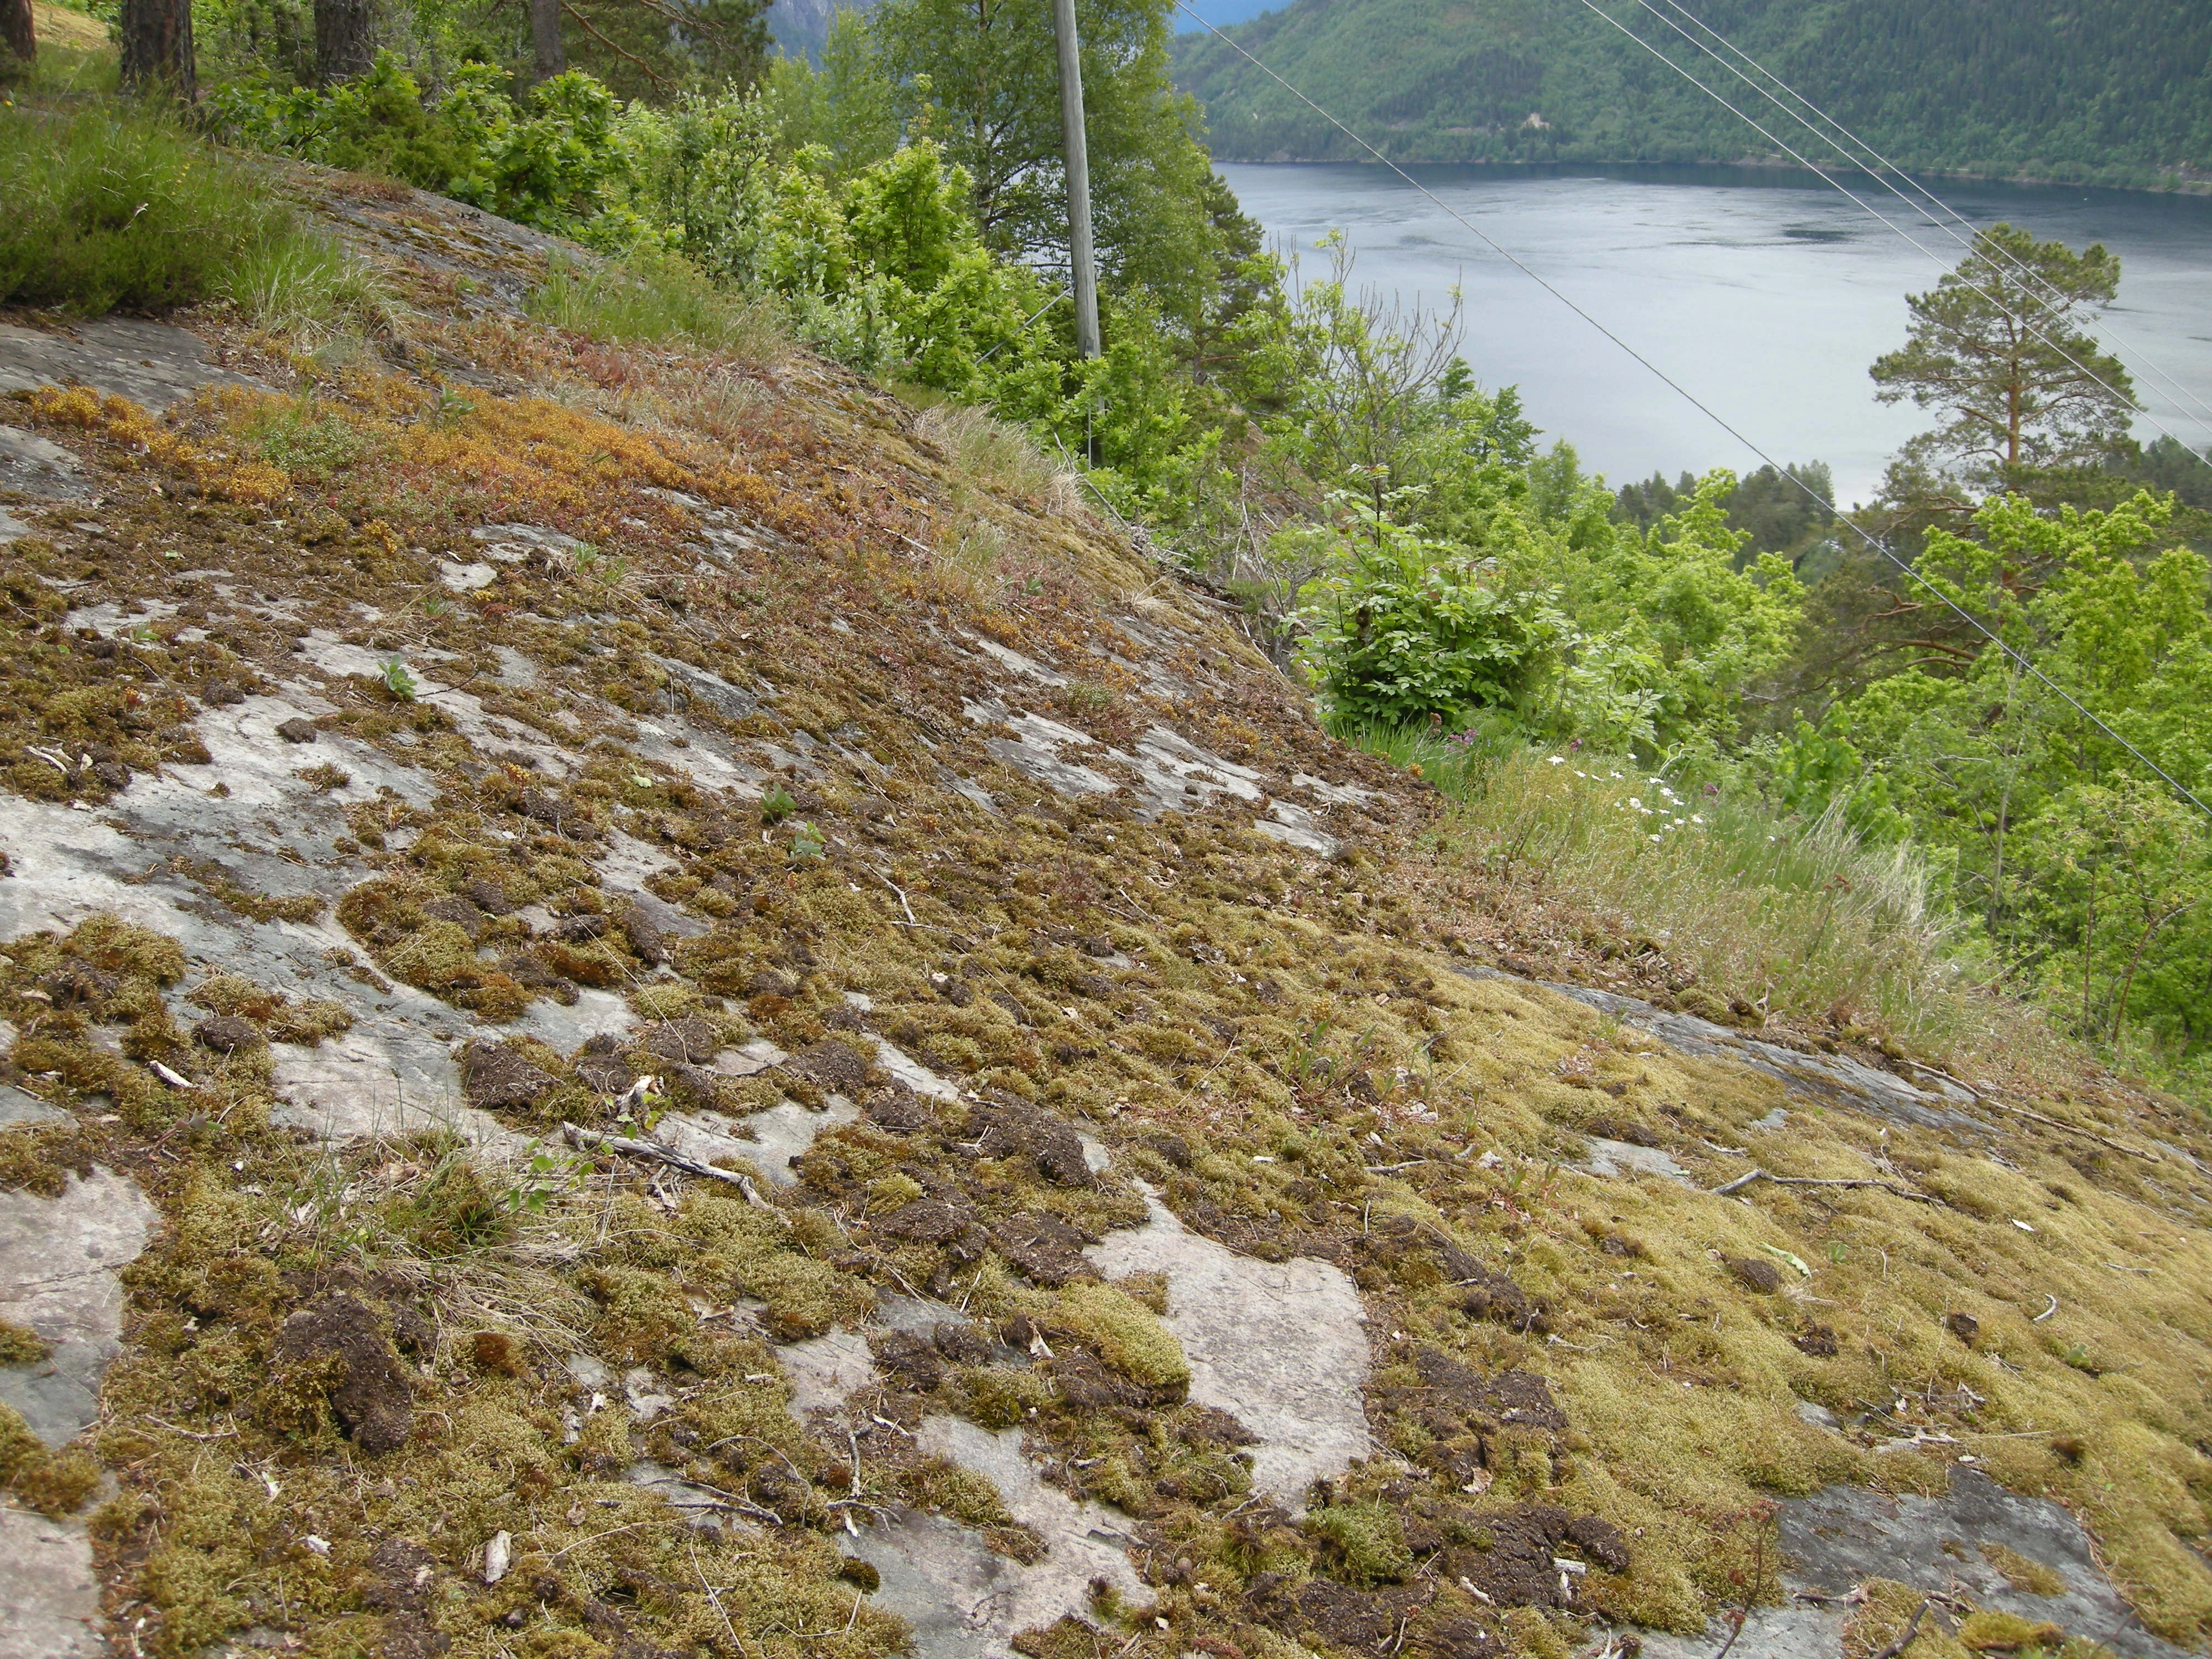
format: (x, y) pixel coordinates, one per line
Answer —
(2033, 1117)
(591, 1140)
(1744, 1181)
(901, 892)
(1905, 1639)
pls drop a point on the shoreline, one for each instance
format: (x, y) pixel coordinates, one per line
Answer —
(2178, 186)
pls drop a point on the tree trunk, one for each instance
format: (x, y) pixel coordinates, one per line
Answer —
(546, 38)
(345, 40)
(157, 48)
(17, 37)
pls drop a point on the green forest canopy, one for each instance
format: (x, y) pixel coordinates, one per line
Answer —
(2041, 87)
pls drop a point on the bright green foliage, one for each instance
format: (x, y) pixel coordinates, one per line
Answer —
(981, 76)
(1402, 630)
(554, 161)
(629, 48)
(2080, 863)
(1673, 631)
(849, 105)
(1358, 397)
(884, 267)
(1998, 348)
(109, 206)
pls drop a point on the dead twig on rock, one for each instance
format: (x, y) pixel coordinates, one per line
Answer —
(2033, 1117)
(1904, 1638)
(1891, 1187)
(591, 1140)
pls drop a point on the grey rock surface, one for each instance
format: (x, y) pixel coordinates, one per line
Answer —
(39, 467)
(1835, 1540)
(1830, 1080)
(825, 1371)
(17, 1106)
(965, 1602)
(59, 1262)
(778, 1136)
(152, 364)
(1282, 1347)
(1167, 771)
(49, 1598)
(1622, 1157)
(58, 1259)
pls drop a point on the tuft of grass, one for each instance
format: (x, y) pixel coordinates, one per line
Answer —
(304, 286)
(654, 299)
(112, 206)
(1783, 914)
(999, 457)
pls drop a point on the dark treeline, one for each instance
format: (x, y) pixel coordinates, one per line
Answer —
(2108, 94)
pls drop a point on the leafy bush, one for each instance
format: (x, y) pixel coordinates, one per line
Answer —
(1402, 630)
(112, 206)
(553, 159)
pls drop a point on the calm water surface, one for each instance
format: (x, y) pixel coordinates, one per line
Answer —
(1767, 299)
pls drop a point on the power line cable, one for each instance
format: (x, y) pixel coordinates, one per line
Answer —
(1697, 403)
(1883, 167)
(1803, 160)
(1857, 151)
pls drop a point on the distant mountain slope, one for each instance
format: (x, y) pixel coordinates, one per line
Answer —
(2117, 94)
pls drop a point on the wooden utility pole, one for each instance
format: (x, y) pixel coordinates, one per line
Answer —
(1083, 266)
(552, 57)
(17, 36)
(157, 48)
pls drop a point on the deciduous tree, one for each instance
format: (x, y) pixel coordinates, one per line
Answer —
(981, 77)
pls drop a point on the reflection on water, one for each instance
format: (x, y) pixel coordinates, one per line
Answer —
(1766, 294)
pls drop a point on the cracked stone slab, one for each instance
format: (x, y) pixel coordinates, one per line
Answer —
(49, 1595)
(59, 1262)
(1171, 773)
(20, 1106)
(58, 1259)
(912, 1072)
(381, 1078)
(962, 1601)
(512, 544)
(777, 1136)
(1615, 1158)
(825, 1371)
(1841, 1536)
(1281, 1346)
(1294, 826)
(152, 364)
(1830, 1079)
(39, 467)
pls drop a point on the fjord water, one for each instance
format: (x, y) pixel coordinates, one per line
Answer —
(1766, 295)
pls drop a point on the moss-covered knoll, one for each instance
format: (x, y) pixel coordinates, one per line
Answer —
(1280, 1045)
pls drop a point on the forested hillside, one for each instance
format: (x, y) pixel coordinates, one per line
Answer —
(2111, 94)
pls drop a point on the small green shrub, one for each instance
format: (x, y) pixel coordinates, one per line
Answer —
(550, 159)
(110, 205)
(653, 299)
(1401, 629)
